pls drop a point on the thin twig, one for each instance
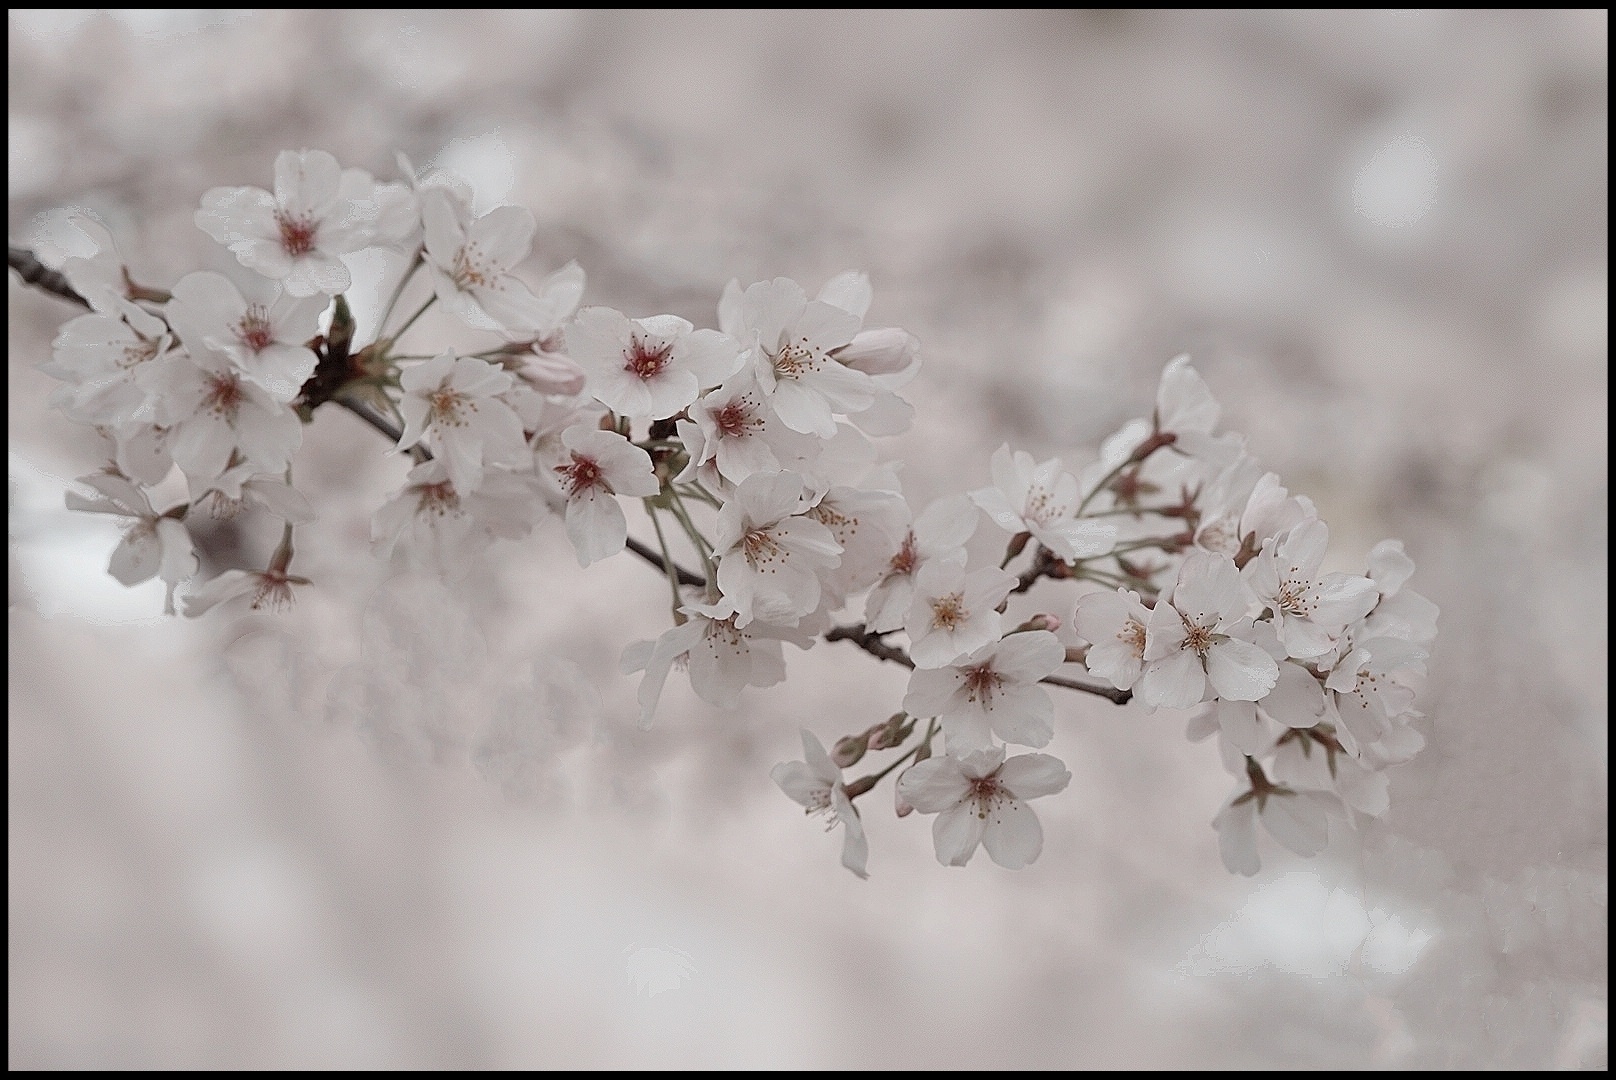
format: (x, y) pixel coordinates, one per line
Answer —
(870, 642)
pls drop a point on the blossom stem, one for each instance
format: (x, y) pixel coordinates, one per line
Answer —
(282, 558)
(411, 320)
(703, 550)
(667, 564)
(865, 783)
(398, 290)
(1106, 480)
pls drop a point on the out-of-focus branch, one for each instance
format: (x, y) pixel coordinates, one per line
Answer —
(872, 643)
(35, 273)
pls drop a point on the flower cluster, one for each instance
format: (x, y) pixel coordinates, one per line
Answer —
(1201, 582)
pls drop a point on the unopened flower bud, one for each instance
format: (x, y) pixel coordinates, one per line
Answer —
(881, 351)
(892, 733)
(848, 750)
(552, 373)
(1043, 620)
(899, 803)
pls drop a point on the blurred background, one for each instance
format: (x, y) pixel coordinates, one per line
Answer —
(405, 825)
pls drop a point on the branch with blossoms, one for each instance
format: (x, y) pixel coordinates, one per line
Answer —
(1192, 579)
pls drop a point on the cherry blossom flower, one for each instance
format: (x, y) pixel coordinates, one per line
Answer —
(940, 532)
(734, 428)
(1042, 499)
(600, 466)
(769, 554)
(1299, 820)
(1309, 760)
(106, 359)
(154, 545)
(980, 798)
(440, 529)
(1198, 637)
(1114, 625)
(1245, 506)
(270, 589)
(90, 258)
(993, 691)
(297, 234)
(456, 401)
(225, 495)
(1186, 410)
(1310, 609)
(649, 368)
(953, 613)
(792, 338)
(721, 658)
(866, 524)
(471, 263)
(550, 370)
(141, 452)
(1368, 688)
(218, 418)
(816, 784)
(266, 337)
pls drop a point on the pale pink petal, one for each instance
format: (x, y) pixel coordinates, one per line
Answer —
(1030, 776)
(956, 832)
(934, 785)
(1240, 670)
(1012, 835)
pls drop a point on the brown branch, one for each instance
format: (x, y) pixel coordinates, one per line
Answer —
(1119, 697)
(872, 643)
(35, 273)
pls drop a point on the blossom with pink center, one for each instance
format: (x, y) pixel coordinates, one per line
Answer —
(239, 486)
(866, 524)
(296, 234)
(649, 368)
(456, 401)
(954, 613)
(721, 658)
(438, 528)
(940, 532)
(993, 691)
(1310, 609)
(981, 798)
(266, 336)
(770, 554)
(106, 360)
(791, 339)
(472, 260)
(218, 418)
(815, 783)
(1042, 499)
(599, 466)
(1199, 637)
(735, 429)
(1113, 623)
